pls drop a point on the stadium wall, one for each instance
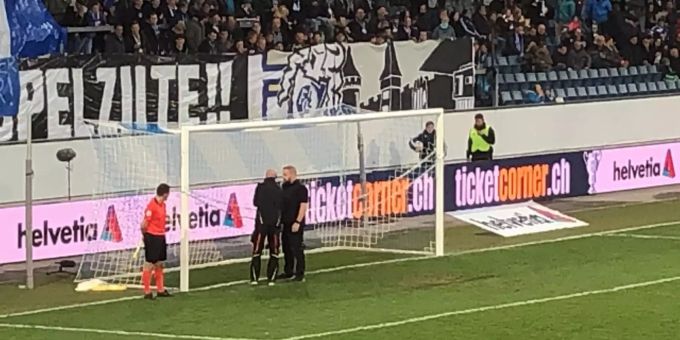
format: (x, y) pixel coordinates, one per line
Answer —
(520, 132)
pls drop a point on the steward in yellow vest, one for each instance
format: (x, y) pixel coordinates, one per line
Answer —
(480, 140)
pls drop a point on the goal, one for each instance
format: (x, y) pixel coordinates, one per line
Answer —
(369, 192)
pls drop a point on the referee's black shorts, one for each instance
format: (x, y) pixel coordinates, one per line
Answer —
(155, 248)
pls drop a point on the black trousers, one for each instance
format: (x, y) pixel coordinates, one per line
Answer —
(271, 234)
(481, 156)
(294, 252)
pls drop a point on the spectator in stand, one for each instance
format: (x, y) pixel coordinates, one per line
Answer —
(564, 13)
(135, 12)
(603, 54)
(579, 59)
(179, 46)
(633, 52)
(299, 41)
(515, 42)
(318, 17)
(261, 46)
(152, 35)
(423, 36)
(169, 38)
(359, 27)
(224, 42)
(95, 17)
(156, 8)
(427, 18)
(172, 13)
(538, 57)
(480, 20)
(277, 32)
(135, 42)
(674, 60)
(194, 33)
(444, 30)
(407, 31)
(115, 42)
(560, 58)
(234, 30)
(251, 41)
(209, 45)
(342, 27)
(649, 51)
(596, 11)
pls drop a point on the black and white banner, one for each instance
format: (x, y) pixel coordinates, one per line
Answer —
(61, 93)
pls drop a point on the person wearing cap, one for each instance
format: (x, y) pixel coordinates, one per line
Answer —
(481, 140)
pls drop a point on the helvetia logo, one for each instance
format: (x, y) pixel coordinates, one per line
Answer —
(111, 230)
(668, 168)
(233, 217)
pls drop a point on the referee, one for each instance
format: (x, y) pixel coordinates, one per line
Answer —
(295, 203)
(268, 200)
(155, 247)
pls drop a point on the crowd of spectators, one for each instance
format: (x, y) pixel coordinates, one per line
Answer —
(544, 34)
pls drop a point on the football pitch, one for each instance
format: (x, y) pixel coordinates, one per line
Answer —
(618, 278)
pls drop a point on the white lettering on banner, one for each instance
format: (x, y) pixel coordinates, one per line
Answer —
(517, 219)
(81, 227)
(59, 95)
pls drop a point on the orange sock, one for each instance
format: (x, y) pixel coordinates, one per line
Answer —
(146, 280)
(160, 287)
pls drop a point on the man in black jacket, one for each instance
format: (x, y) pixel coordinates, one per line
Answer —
(295, 204)
(268, 200)
(424, 144)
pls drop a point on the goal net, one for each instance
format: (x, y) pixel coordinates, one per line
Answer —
(368, 190)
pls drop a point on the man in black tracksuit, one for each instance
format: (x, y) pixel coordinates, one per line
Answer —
(268, 200)
(424, 144)
(295, 203)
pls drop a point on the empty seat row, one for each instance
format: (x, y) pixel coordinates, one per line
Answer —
(572, 78)
(599, 91)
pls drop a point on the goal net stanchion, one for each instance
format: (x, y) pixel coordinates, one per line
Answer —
(322, 148)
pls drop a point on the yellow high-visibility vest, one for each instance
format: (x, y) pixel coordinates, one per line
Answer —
(478, 143)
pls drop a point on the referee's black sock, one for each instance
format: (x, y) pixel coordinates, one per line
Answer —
(272, 267)
(255, 264)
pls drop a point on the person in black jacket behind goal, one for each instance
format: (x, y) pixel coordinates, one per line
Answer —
(424, 144)
(268, 200)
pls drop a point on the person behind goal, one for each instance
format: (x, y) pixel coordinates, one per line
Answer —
(155, 246)
(268, 200)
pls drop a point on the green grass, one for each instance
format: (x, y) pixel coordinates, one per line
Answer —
(391, 292)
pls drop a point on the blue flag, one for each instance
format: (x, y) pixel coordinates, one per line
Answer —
(27, 30)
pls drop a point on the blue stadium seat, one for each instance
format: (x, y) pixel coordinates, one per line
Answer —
(506, 98)
(583, 76)
(502, 62)
(553, 78)
(592, 92)
(661, 86)
(602, 91)
(520, 78)
(563, 76)
(531, 77)
(624, 76)
(651, 86)
(571, 93)
(672, 86)
(632, 89)
(623, 89)
(613, 72)
(612, 90)
(643, 74)
(594, 77)
(581, 92)
(517, 97)
(561, 93)
(603, 73)
(633, 73)
(573, 76)
(542, 77)
(513, 60)
(642, 88)
(509, 78)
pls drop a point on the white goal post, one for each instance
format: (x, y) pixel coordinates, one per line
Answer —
(370, 190)
(245, 127)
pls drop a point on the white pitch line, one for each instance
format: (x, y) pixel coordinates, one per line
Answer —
(360, 265)
(484, 309)
(647, 237)
(115, 332)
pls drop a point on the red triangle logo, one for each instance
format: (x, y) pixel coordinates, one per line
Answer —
(112, 227)
(233, 218)
(668, 168)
